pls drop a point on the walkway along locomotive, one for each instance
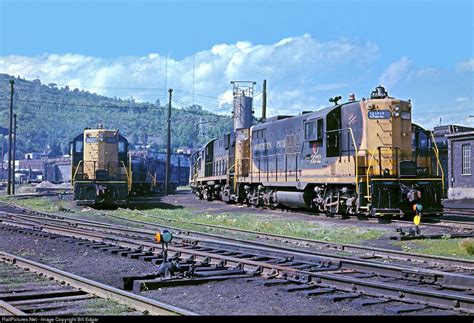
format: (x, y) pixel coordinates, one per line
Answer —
(350, 158)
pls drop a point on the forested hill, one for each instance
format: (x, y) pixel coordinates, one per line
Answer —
(49, 117)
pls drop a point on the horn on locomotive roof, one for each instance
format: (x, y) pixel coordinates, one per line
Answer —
(379, 93)
(335, 99)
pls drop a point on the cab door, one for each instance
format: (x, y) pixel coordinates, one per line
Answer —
(313, 141)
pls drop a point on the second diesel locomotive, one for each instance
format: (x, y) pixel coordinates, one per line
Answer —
(101, 173)
(105, 172)
(350, 158)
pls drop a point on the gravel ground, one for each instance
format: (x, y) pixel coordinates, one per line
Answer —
(83, 261)
(232, 297)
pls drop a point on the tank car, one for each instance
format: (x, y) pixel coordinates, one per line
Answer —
(350, 158)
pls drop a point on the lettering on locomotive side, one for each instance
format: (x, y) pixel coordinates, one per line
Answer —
(262, 146)
(281, 143)
(380, 114)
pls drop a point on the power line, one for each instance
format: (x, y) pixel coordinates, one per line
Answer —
(151, 107)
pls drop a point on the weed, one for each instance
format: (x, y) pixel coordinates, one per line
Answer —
(467, 245)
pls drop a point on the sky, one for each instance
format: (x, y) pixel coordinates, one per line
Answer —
(308, 51)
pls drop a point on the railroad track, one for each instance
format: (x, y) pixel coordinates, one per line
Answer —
(67, 295)
(346, 277)
(316, 247)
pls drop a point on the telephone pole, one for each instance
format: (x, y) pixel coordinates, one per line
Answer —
(168, 147)
(10, 140)
(14, 154)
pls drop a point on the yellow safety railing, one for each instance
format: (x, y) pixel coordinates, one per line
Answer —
(153, 178)
(356, 161)
(372, 154)
(235, 175)
(438, 163)
(75, 173)
(129, 176)
(356, 156)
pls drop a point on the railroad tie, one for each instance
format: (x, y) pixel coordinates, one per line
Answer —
(318, 291)
(405, 308)
(340, 297)
(371, 301)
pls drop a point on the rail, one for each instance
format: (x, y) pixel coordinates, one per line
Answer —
(89, 286)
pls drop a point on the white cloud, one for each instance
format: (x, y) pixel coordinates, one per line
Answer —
(466, 66)
(395, 72)
(297, 69)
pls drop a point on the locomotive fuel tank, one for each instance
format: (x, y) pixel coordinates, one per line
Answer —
(294, 199)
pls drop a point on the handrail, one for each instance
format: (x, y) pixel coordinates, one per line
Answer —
(356, 156)
(438, 163)
(370, 166)
(129, 181)
(75, 173)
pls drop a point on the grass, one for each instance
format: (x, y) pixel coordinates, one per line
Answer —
(467, 245)
(260, 223)
(264, 224)
(12, 277)
(36, 203)
(100, 306)
(457, 248)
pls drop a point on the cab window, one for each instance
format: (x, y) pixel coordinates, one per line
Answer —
(79, 146)
(121, 146)
(111, 140)
(313, 130)
(309, 130)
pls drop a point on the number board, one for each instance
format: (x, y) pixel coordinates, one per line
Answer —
(406, 115)
(380, 114)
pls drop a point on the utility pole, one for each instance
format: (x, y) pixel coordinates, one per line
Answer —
(168, 146)
(3, 154)
(10, 140)
(14, 153)
(264, 101)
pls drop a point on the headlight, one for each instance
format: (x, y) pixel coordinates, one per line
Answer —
(396, 108)
(396, 114)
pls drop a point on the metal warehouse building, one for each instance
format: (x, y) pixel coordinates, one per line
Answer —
(460, 165)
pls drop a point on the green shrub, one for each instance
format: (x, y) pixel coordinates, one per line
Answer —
(467, 245)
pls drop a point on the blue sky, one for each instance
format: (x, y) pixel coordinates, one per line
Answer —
(307, 50)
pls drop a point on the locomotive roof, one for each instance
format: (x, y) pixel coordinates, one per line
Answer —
(309, 116)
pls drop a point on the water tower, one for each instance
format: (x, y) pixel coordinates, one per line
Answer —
(243, 104)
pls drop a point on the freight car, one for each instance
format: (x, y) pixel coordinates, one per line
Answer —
(350, 158)
(100, 167)
(150, 167)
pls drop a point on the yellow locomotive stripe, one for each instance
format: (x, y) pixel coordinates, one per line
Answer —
(103, 182)
(406, 179)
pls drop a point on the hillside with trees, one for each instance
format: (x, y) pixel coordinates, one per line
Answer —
(49, 117)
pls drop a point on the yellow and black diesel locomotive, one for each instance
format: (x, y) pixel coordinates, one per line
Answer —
(358, 157)
(101, 170)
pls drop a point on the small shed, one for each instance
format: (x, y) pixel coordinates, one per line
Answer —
(460, 165)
